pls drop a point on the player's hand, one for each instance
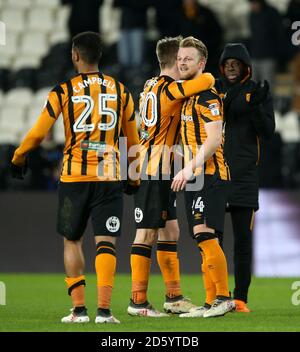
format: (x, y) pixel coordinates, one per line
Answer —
(180, 180)
(131, 187)
(18, 171)
(260, 93)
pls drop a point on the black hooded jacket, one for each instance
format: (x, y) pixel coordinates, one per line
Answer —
(245, 125)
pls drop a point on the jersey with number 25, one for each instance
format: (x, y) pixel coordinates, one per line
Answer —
(95, 108)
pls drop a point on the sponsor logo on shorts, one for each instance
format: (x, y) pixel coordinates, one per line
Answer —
(197, 216)
(113, 224)
(164, 215)
(138, 215)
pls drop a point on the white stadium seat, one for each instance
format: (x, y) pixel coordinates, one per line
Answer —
(12, 125)
(41, 96)
(10, 49)
(61, 18)
(18, 4)
(61, 36)
(34, 44)
(50, 4)
(32, 115)
(12, 119)
(290, 132)
(14, 20)
(59, 131)
(26, 61)
(19, 97)
(7, 137)
(41, 19)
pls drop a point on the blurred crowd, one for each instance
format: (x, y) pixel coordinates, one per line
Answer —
(131, 59)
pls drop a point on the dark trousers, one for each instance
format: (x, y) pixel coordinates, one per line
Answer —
(242, 221)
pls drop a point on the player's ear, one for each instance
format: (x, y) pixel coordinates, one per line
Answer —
(202, 64)
(75, 55)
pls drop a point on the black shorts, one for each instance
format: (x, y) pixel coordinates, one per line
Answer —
(208, 205)
(103, 201)
(155, 203)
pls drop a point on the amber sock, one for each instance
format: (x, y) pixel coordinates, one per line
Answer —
(105, 265)
(140, 261)
(169, 266)
(210, 288)
(75, 287)
(216, 264)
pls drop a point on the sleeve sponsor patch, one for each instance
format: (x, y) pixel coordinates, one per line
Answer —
(214, 109)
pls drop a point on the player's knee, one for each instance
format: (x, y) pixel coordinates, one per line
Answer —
(202, 236)
(110, 239)
(202, 228)
(69, 242)
(146, 236)
(170, 232)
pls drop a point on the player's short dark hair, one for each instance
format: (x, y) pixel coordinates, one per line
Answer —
(89, 46)
(189, 42)
(167, 50)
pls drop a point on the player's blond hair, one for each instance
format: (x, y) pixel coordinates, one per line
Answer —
(167, 50)
(192, 42)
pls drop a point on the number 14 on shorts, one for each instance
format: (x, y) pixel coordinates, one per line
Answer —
(198, 205)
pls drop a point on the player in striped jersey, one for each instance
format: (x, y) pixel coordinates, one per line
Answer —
(155, 204)
(95, 109)
(201, 133)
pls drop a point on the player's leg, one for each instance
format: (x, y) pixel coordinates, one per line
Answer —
(107, 207)
(71, 222)
(242, 222)
(209, 286)
(148, 218)
(167, 258)
(105, 265)
(166, 253)
(208, 219)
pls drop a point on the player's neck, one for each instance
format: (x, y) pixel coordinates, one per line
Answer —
(87, 68)
(173, 73)
(198, 73)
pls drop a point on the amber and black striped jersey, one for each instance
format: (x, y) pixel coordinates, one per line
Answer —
(95, 109)
(196, 111)
(160, 105)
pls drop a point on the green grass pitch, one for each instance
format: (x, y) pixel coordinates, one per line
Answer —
(36, 302)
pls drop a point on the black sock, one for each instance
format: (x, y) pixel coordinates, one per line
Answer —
(78, 310)
(104, 312)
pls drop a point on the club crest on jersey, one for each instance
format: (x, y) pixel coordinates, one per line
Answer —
(214, 109)
(138, 215)
(113, 224)
(144, 134)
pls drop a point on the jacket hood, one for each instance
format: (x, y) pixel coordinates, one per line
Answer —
(236, 51)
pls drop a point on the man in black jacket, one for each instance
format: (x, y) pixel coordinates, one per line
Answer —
(249, 116)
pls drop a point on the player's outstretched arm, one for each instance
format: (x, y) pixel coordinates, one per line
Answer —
(183, 89)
